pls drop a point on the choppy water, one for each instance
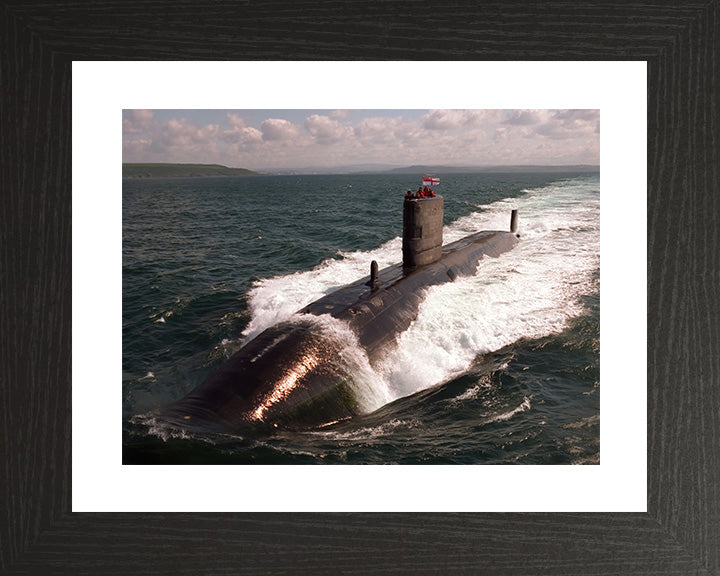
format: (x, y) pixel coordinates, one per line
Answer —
(509, 369)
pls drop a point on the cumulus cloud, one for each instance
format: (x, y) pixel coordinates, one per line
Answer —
(325, 129)
(573, 116)
(279, 129)
(454, 119)
(443, 119)
(236, 121)
(500, 135)
(179, 140)
(138, 121)
(564, 124)
(178, 133)
(523, 117)
(376, 129)
(136, 148)
(258, 140)
(239, 131)
(245, 136)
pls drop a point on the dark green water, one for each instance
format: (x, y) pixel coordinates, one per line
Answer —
(509, 369)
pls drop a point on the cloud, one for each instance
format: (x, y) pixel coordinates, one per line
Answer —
(454, 119)
(178, 133)
(566, 124)
(523, 117)
(378, 130)
(253, 139)
(278, 129)
(183, 141)
(245, 136)
(136, 148)
(235, 120)
(443, 119)
(239, 132)
(577, 115)
(326, 130)
(500, 135)
(138, 121)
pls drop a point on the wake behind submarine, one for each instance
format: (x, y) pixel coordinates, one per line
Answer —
(293, 376)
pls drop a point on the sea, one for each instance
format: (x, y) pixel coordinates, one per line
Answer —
(502, 367)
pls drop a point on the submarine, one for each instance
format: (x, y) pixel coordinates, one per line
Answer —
(292, 375)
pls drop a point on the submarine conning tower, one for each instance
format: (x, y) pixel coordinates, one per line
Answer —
(422, 231)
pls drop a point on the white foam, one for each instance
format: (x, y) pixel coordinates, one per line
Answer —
(371, 389)
(528, 292)
(276, 299)
(523, 407)
(162, 429)
(483, 384)
(366, 433)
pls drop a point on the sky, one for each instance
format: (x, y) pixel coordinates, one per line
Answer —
(267, 140)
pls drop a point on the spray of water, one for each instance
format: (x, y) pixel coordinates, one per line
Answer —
(529, 292)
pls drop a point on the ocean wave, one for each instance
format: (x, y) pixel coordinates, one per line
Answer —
(524, 406)
(366, 433)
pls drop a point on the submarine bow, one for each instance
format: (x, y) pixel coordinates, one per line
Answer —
(293, 374)
(290, 375)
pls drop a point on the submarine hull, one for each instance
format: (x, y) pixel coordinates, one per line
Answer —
(292, 375)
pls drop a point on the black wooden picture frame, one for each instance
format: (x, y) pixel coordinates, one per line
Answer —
(680, 533)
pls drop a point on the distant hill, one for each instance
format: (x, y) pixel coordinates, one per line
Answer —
(435, 169)
(502, 169)
(181, 171)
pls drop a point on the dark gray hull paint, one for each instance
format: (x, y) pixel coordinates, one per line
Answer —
(291, 375)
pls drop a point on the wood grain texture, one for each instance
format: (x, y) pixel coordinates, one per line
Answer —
(680, 534)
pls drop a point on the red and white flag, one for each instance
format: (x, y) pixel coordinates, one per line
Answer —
(428, 181)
